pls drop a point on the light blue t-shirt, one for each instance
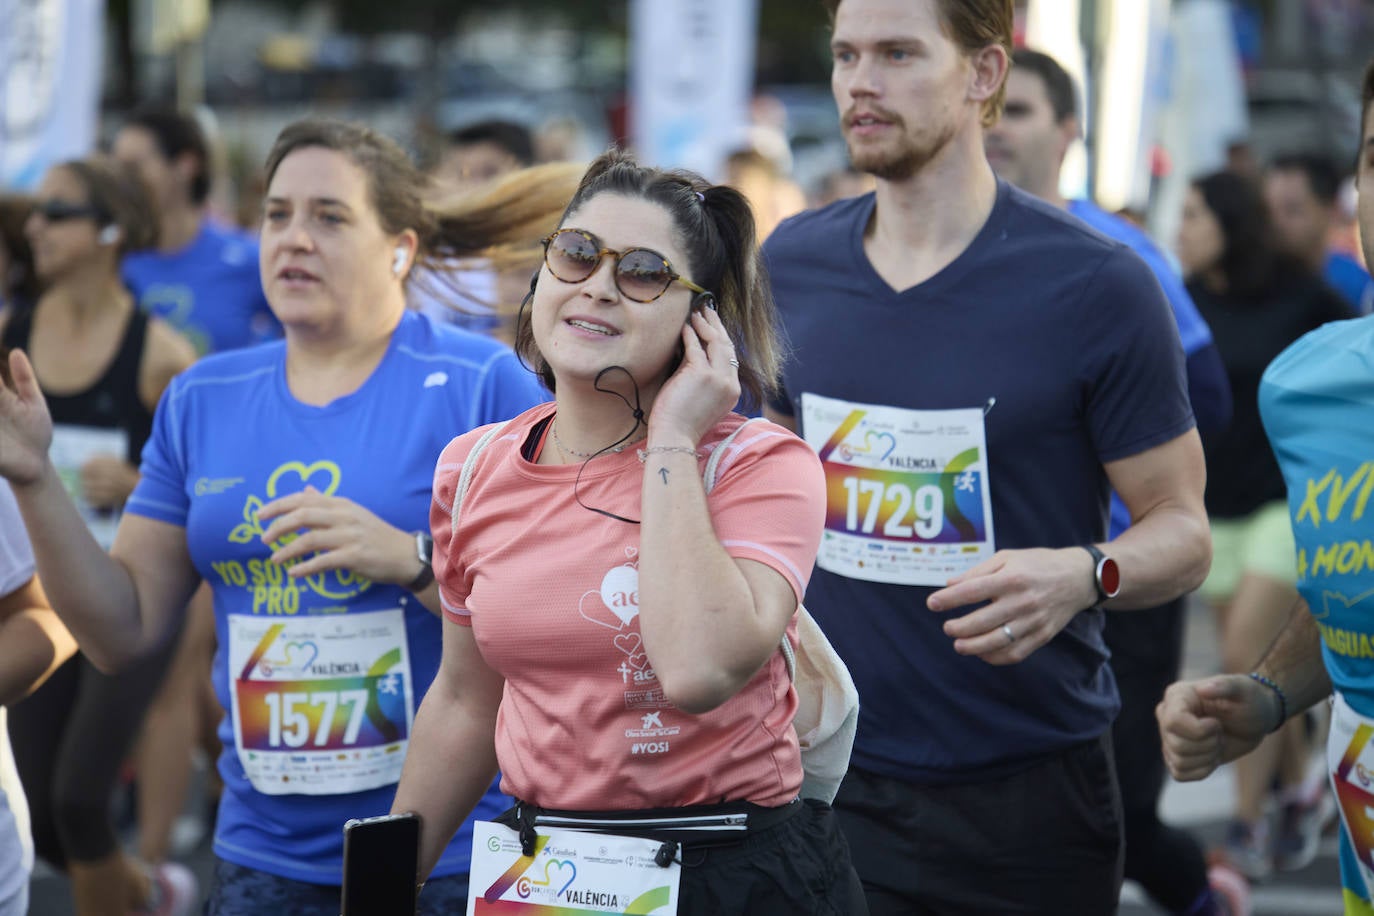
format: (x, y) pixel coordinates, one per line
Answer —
(1193, 331)
(312, 672)
(210, 290)
(1317, 403)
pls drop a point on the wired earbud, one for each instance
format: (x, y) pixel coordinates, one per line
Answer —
(398, 260)
(704, 301)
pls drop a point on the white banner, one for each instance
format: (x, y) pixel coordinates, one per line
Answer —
(691, 79)
(50, 78)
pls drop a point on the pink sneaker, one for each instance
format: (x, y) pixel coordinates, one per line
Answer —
(175, 891)
(1230, 889)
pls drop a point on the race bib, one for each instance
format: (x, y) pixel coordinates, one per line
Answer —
(72, 447)
(907, 497)
(1350, 759)
(570, 872)
(321, 705)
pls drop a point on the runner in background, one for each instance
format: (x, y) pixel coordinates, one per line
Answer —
(1257, 301)
(203, 278)
(102, 365)
(33, 643)
(1027, 147)
(325, 641)
(1315, 399)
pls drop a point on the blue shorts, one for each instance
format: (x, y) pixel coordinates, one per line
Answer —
(240, 891)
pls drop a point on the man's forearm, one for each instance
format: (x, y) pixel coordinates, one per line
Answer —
(1163, 555)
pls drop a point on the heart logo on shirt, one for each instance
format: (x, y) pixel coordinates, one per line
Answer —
(629, 643)
(616, 602)
(881, 440)
(322, 475)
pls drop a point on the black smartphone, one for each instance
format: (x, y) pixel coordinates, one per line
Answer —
(380, 861)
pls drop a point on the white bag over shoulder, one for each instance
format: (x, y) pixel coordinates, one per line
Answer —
(827, 702)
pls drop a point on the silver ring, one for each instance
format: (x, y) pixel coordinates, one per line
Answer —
(734, 362)
(1006, 631)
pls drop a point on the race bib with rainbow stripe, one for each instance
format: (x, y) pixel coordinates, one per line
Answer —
(321, 705)
(907, 495)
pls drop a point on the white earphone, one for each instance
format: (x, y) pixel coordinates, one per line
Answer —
(399, 260)
(109, 235)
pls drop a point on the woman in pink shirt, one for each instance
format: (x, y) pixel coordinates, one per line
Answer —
(612, 637)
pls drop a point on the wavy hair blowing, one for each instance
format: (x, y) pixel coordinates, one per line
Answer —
(715, 226)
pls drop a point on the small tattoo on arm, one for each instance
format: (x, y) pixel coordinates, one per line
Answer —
(663, 472)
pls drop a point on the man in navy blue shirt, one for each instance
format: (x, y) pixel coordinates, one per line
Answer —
(977, 370)
(1027, 147)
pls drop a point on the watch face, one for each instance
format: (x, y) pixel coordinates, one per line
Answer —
(1109, 576)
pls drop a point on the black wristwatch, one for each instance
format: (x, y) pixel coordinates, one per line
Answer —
(1106, 574)
(424, 552)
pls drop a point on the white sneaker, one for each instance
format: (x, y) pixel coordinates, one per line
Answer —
(175, 891)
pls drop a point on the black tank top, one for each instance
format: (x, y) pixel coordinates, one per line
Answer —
(113, 401)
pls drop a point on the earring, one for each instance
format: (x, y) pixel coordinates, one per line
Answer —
(109, 235)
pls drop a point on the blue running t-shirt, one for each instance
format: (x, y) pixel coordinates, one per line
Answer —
(210, 290)
(319, 677)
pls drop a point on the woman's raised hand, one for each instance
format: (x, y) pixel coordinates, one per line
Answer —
(705, 386)
(25, 425)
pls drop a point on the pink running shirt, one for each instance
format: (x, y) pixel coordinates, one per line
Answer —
(551, 592)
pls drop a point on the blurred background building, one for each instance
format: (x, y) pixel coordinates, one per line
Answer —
(1172, 88)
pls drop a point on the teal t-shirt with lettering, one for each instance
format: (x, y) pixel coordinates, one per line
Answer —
(1317, 403)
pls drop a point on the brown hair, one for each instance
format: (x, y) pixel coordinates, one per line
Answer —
(716, 227)
(19, 285)
(502, 220)
(973, 25)
(395, 186)
(121, 198)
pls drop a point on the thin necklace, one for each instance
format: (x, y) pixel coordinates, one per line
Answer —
(584, 455)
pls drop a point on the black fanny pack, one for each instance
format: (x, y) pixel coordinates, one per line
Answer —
(698, 826)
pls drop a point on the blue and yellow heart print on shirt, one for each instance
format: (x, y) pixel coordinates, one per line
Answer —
(1317, 402)
(296, 655)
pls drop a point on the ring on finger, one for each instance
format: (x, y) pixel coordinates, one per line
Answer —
(1006, 631)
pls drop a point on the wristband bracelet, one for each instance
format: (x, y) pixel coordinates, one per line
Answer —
(1278, 692)
(644, 453)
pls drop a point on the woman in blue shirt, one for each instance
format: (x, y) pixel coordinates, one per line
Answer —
(326, 641)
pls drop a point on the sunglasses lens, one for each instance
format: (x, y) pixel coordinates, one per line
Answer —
(55, 211)
(642, 275)
(571, 256)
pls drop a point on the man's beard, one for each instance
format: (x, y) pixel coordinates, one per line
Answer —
(904, 163)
